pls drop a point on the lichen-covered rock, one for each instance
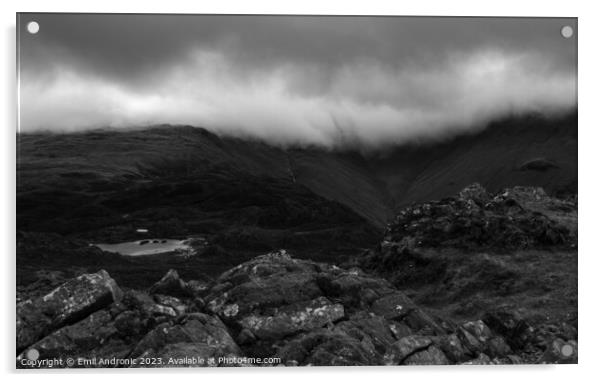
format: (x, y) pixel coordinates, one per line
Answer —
(399, 329)
(290, 319)
(453, 348)
(67, 304)
(482, 359)
(328, 347)
(353, 287)
(474, 220)
(430, 356)
(373, 331)
(272, 280)
(469, 341)
(153, 306)
(394, 306)
(496, 347)
(516, 331)
(185, 354)
(92, 337)
(401, 349)
(310, 310)
(176, 304)
(172, 285)
(129, 323)
(478, 329)
(207, 334)
(303, 312)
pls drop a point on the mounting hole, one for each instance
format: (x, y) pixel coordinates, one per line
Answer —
(32, 354)
(567, 31)
(33, 27)
(567, 350)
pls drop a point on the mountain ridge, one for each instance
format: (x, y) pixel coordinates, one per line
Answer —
(374, 186)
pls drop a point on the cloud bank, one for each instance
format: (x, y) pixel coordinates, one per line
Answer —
(327, 81)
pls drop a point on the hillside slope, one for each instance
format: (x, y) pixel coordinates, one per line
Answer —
(526, 151)
(246, 197)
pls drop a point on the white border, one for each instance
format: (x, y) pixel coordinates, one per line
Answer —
(590, 139)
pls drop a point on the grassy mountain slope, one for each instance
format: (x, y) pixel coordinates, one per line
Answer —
(99, 186)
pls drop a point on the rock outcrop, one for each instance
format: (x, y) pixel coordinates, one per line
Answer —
(69, 303)
(474, 219)
(490, 256)
(288, 311)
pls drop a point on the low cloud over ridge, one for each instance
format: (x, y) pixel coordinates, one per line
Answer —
(333, 82)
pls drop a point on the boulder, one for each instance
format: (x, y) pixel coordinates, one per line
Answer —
(482, 359)
(71, 302)
(91, 337)
(496, 348)
(515, 330)
(393, 307)
(478, 329)
(304, 312)
(207, 334)
(153, 306)
(399, 329)
(430, 356)
(423, 323)
(176, 304)
(172, 285)
(185, 354)
(373, 331)
(328, 347)
(401, 349)
(268, 281)
(353, 287)
(453, 348)
(294, 318)
(470, 342)
(129, 323)
(316, 313)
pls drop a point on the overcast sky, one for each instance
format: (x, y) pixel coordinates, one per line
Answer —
(331, 81)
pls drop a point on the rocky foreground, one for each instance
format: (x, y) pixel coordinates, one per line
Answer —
(273, 310)
(494, 274)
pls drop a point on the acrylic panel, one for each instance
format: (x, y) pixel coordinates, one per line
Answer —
(288, 190)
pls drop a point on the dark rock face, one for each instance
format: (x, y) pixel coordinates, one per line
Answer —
(94, 336)
(171, 284)
(204, 334)
(68, 303)
(317, 314)
(299, 311)
(430, 356)
(294, 318)
(516, 330)
(405, 347)
(295, 312)
(489, 256)
(475, 219)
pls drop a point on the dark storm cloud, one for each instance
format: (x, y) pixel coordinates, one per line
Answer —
(292, 79)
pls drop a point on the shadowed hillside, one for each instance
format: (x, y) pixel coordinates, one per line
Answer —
(528, 151)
